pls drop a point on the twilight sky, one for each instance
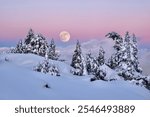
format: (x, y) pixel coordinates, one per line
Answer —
(84, 19)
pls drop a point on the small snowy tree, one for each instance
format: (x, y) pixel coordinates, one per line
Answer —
(100, 58)
(88, 63)
(47, 68)
(52, 51)
(19, 47)
(100, 74)
(91, 64)
(78, 62)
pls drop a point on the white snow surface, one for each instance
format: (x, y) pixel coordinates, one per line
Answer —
(18, 81)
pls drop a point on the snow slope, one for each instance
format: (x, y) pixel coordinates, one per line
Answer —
(19, 81)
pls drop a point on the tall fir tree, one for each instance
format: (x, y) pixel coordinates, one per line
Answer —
(116, 58)
(125, 66)
(78, 62)
(135, 60)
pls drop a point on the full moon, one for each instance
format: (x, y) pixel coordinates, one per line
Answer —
(64, 36)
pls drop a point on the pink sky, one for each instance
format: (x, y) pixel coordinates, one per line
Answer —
(84, 19)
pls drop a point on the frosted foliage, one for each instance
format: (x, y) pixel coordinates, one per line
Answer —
(78, 62)
(37, 44)
(47, 68)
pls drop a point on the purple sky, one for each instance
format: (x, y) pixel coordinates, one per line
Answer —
(84, 19)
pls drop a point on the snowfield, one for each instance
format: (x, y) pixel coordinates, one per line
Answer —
(18, 81)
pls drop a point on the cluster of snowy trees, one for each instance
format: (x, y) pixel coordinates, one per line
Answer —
(124, 61)
(90, 65)
(37, 44)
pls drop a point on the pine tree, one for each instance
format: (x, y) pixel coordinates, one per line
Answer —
(47, 68)
(116, 58)
(100, 58)
(29, 36)
(91, 64)
(135, 60)
(125, 67)
(100, 74)
(52, 51)
(41, 45)
(88, 63)
(19, 47)
(78, 62)
(117, 38)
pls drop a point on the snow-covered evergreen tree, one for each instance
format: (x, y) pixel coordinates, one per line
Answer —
(135, 60)
(46, 67)
(41, 45)
(29, 36)
(78, 62)
(116, 58)
(37, 44)
(19, 47)
(52, 51)
(88, 62)
(91, 64)
(100, 58)
(100, 74)
(125, 66)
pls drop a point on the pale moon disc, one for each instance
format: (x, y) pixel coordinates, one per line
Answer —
(64, 36)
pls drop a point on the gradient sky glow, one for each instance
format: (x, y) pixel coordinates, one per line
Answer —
(84, 19)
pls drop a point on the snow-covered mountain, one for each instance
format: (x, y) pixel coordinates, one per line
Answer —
(19, 81)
